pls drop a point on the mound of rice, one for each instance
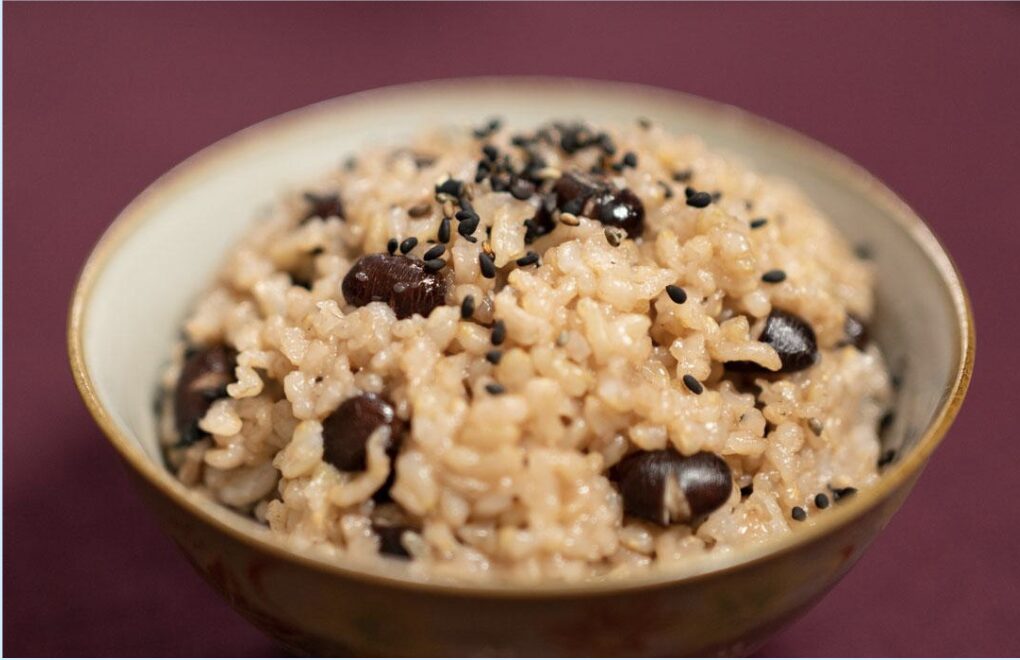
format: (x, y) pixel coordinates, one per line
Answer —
(605, 351)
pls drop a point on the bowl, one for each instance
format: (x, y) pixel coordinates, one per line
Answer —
(159, 253)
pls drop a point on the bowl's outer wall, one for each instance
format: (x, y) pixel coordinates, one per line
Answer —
(321, 614)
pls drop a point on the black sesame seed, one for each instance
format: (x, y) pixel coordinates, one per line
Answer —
(758, 222)
(716, 196)
(689, 192)
(451, 187)
(617, 167)
(667, 192)
(391, 245)
(864, 252)
(676, 294)
(816, 426)
(887, 457)
(495, 389)
(691, 383)
(467, 307)
(799, 514)
(528, 259)
(493, 357)
(408, 244)
(491, 152)
(498, 333)
(487, 266)
(840, 493)
(434, 265)
(443, 236)
(434, 252)
(630, 159)
(822, 501)
(522, 189)
(468, 226)
(465, 215)
(774, 276)
(699, 200)
(682, 175)
(606, 144)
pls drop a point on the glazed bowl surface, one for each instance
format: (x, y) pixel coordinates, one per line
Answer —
(164, 247)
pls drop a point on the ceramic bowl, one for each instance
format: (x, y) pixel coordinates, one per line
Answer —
(147, 269)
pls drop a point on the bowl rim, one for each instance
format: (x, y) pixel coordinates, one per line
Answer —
(247, 533)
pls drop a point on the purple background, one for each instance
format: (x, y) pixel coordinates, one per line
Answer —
(99, 100)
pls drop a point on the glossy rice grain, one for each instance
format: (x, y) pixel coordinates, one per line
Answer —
(565, 352)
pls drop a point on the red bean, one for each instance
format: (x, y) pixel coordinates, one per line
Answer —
(666, 487)
(403, 283)
(204, 379)
(791, 337)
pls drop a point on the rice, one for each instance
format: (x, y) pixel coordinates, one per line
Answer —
(651, 370)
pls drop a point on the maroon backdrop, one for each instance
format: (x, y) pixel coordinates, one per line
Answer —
(99, 100)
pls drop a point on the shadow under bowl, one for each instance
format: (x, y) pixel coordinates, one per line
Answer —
(164, 247)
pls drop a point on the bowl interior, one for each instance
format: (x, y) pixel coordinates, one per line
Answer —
(155, 261)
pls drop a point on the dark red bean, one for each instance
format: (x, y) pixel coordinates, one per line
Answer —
(793, 339)
(621, 208)
(323, 206)
(346, 431)
(204, 379)
(391, 539)
(665, 487)
(543, 222)
(405, 284)
(573, 190)
(581, 194)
